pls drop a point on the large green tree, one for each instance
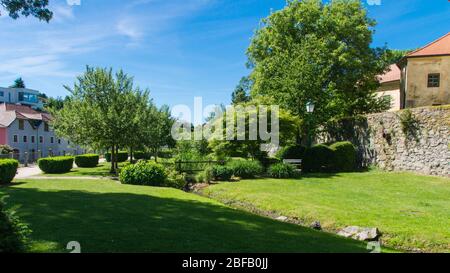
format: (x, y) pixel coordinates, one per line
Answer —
(320, 53)
(102, 111)
(36, 8)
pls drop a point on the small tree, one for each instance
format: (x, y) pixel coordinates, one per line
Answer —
(18, 83)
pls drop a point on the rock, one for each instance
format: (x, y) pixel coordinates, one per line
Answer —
(359, 233)
(282, 218)
(316, 225)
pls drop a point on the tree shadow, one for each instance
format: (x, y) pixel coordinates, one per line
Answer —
(180, 222)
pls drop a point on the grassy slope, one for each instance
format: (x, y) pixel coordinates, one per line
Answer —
(413, 211)
(105, 216)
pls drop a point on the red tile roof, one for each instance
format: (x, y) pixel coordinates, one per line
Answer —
(10, 112)
(439, 47)
(393, 74)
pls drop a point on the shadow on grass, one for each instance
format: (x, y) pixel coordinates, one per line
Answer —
(126, 222)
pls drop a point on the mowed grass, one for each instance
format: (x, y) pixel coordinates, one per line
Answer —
(104, 216)
(412, 211)
(102, 170)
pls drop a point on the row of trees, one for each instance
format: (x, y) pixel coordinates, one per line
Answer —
(105, 110)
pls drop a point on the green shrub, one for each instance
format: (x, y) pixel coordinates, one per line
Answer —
(87, 160)
(282, 170)
(291, 152)
(175, 180)
(141, 155)
(344, 156)
(55, 165)
(205, 176)
(121, 157)
(318, 159)
(219, 173)
(8, 169)
(245, 168)
(143, 173)
(13, 233)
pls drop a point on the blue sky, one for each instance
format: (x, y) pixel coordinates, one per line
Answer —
(177, 48)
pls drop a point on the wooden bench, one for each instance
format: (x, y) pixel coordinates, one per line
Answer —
(296, 162)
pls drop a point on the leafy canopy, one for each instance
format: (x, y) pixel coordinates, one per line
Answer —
(36, 8)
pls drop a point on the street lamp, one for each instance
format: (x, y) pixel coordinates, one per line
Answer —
(310, 106)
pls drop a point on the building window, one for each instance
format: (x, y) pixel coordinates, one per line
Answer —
(434, 80)
(2, 94)
(33, 139)
(46, 126)
(52, 140)
(59, 141)
(41, 139)
(28, 97)
(25, 139)
(15, 139)
(21, 124)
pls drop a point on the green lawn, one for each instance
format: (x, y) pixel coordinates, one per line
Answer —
(412, 211)
(101, 170)
(105, 216)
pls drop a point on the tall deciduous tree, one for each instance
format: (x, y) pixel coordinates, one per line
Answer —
(36, 8)
(311, 51)
(241, 93)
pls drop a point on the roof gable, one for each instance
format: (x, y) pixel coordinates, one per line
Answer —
(439, 47)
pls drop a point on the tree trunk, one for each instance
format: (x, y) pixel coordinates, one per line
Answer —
(131, 155)
(113, 158)
(117, 153)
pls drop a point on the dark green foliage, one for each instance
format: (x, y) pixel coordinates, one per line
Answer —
(55, 165)
(344, 156)
(291, 152)
(269, 161)
(409, 123)
(319, 158)
(143, 173)
(219, 173)
(165, 153)
(87, 160)
(242, 91)
(141, 155)
(18, 83)
(8, 169)
(121, 157)
(36, 8)
(245, 168)
(282, 170)
(13, 233)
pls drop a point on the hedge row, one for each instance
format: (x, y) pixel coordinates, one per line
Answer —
(121, 157)
(87, 160)
(56, 165)
(8, 169)
(339, 157)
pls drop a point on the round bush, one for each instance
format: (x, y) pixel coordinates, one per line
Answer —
(344, 156)
(87, 160)
(291, 152)
(282, 170)
(121, 157)
(143, 173)
(245, 168)
(8, 169)
(318, 159)
(219, 173)
(55, 165)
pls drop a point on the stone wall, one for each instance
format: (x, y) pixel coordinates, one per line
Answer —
(384, 140)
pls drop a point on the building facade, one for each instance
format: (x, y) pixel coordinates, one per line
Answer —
(421, 78)
(28, 130)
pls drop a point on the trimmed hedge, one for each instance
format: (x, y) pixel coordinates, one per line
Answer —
(56, 165)
(219, 173)
(121, 157)
(246, 168)
(13, 232)
(291, 152)
(8, 169)
(87, 160)
(319, 158)
(143, 173)
(142, 155)
(282, 170)
(344, 156)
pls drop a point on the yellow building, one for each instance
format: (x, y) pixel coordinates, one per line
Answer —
(421, 78)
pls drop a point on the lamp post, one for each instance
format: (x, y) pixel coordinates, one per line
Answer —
(310, 106)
